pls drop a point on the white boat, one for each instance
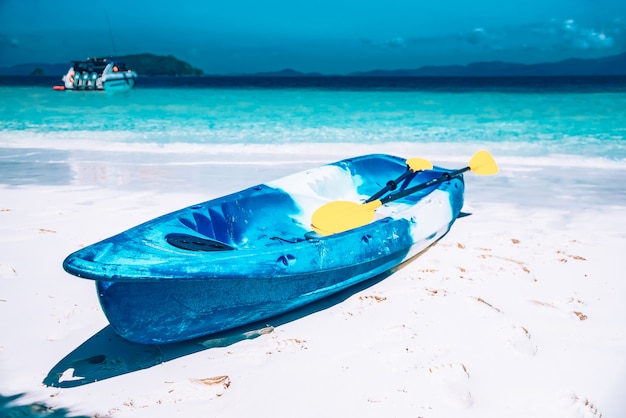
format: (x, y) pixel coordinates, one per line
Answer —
(98, 74)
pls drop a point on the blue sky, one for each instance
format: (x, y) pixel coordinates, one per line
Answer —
(328, 36)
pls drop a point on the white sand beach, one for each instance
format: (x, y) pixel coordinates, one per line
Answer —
(517, 312)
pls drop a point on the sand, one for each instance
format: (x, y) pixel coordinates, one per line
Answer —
(517, 312)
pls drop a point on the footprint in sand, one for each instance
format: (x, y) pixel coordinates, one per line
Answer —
(7, 272)
(211, 387)
(361, 304)
(486, 308)
(572, 406)
(518, 339)
(571, 308)
(452, 382)
(174, 392)
(583, 408)
(286, 345)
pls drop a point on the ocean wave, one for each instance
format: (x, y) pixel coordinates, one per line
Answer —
(523, 156)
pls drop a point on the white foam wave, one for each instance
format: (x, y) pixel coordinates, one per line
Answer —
(184, 153)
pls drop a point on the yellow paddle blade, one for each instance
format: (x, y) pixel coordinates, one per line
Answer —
(341, 215)
(482, 163)
(419, 164)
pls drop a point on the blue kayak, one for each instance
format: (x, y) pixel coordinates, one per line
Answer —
(251, 255)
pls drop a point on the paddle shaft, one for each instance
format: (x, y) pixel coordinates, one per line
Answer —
(391, 185)
(429, 183)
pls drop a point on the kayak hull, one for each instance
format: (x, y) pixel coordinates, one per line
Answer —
(249, 256)
(155, 312)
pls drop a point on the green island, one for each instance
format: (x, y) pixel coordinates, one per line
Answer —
(144, 64)
(151, 64)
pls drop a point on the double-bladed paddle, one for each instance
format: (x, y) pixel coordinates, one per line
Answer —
(413, 165)
(341, 215)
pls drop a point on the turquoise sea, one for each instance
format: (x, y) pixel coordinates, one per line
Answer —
(560, 144)
(562, 120)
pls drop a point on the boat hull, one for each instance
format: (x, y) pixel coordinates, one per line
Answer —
(119, 82)
(98, 74)
(155, 312)
(155, 287)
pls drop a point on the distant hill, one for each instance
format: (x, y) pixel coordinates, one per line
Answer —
(143, 64)
(287, 72)
(150, 64)
(36, 68)
(613, 65)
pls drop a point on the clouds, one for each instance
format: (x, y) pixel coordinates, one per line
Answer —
(569, 35)
(551, 39)
(324, 36)
(554, 35)
(389, 44)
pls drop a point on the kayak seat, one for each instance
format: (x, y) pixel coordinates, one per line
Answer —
(240, 223)
(253, 220)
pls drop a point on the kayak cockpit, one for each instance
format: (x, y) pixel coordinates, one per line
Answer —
(280, 212)
(256, 218)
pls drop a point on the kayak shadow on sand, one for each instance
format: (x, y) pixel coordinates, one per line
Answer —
(107, 355)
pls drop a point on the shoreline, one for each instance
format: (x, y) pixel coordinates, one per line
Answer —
(145, 165)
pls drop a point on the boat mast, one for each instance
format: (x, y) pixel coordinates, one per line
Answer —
(106, 16)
